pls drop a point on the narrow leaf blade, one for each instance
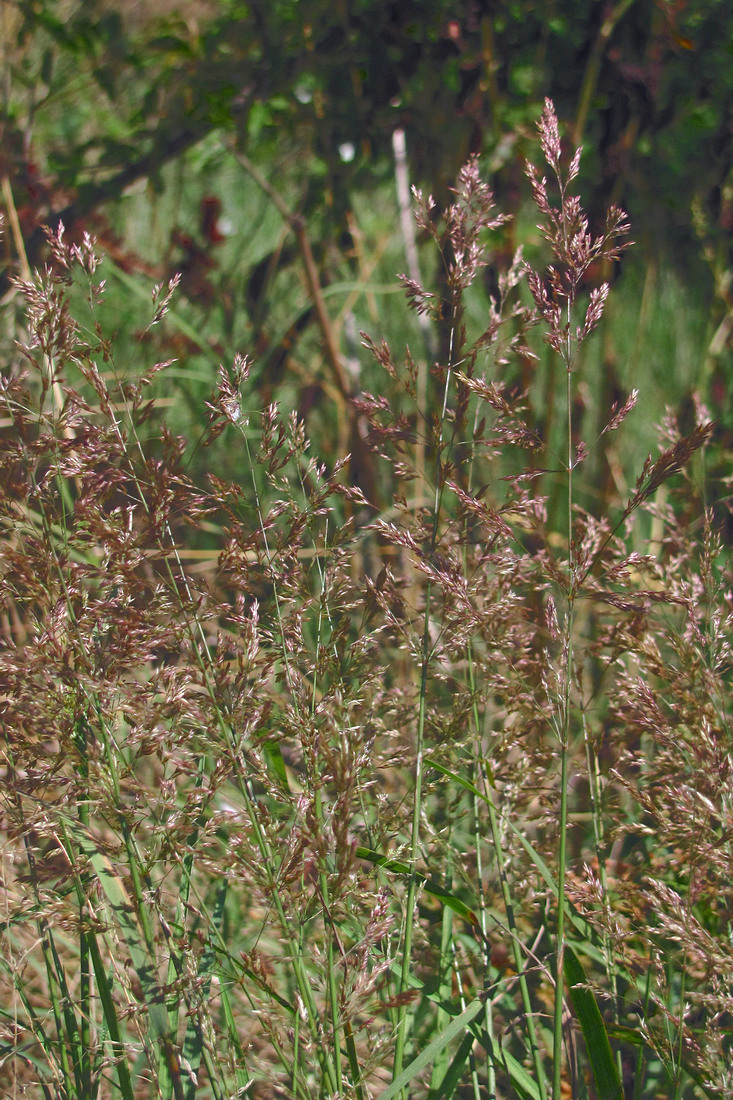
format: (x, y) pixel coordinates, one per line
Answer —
(426, 1056)
(593, 1028)
(398, 867)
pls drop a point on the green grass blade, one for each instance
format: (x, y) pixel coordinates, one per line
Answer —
(453, 1075)
(445, 984)
(427, 1056)
(580, 924)
(353, 1058)
(399, 867)
(635, 1038)
(110, 1017)
(593, 1028)
(243, 1078)
(30, 1023)
(175, 959)
(466, 784)
(123, 909)
(104, 989)
(70, 1023)
(7, 1052)
(519, 1076)
(523, 1083)
(143, 960)
(193, 1043)
(275, 764)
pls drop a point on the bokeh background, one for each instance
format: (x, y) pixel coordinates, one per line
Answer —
(131, 120)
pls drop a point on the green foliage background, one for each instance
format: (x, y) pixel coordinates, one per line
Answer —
(124, 121)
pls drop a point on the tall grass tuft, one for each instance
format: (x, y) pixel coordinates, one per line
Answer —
(305, 796)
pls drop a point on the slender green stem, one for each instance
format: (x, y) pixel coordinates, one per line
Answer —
(609, 954)
(175, 965)
(506, 894)
(640, 1067)
(85, 1003)
(47, 949)
(330, 929)
(564, 730)
(110, 1017)
(475, 1084)
(330, 936)
(445, 975)
(401, 1036)
(677, 1058)
(333, 1076)
(488, 799)
(560, 950)
(478, 840)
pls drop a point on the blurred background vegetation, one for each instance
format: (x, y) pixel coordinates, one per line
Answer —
(158, 129)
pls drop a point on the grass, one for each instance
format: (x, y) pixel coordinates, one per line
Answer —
(416, 782)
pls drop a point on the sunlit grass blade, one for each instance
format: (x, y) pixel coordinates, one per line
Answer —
(451, 1078)
(522, 1081)
(425, 1057)
(466, 784)
(275, 764)
(580, 924)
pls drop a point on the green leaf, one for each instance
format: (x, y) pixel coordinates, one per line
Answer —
(241, 1073)
(275, 764)
(426, 1056)
(591, 1022)
(520, 1078)
(398, 867)
(635, 1038)
(581, 925)
(465, 783)
(454, 1074)
(445, 991)
(110, 1018)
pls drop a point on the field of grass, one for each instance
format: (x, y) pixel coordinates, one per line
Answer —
(396, 763)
